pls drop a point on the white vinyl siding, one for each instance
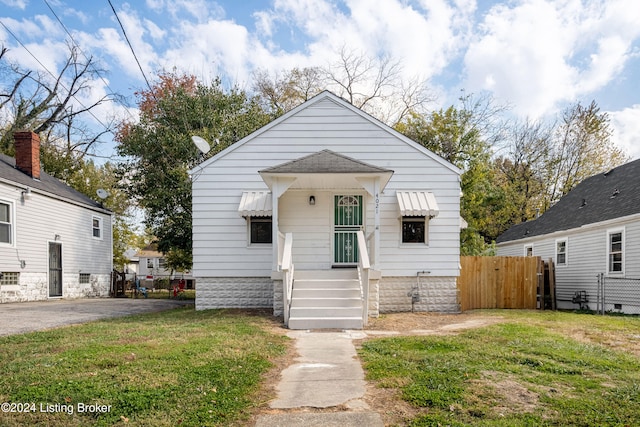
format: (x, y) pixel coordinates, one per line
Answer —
(219, 238)
(39, 219)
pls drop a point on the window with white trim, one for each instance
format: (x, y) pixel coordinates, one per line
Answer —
(414, 229)
(96, 224)
(528, 250)
(615, 251)
(561, 252)
(6, 223)
(260, 229)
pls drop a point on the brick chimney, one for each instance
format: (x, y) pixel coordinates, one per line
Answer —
(28, 153)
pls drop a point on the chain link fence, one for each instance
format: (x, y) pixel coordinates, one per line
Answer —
(618, 295)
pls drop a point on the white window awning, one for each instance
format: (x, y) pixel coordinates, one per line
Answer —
(417, 203)
(255, 203)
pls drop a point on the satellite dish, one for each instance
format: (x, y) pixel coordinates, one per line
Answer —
(201, 143)
(102, 193)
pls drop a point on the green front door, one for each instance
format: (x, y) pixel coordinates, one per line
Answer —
(347, 222)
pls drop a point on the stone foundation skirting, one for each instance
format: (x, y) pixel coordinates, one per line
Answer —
(436, 294)
(35, 287)
(234, 292)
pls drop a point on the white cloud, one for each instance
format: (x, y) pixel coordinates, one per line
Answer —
(537, 53)
(626, 129)
(19, 4)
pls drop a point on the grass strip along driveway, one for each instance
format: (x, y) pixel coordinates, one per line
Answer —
(181, 367)
(533, 369)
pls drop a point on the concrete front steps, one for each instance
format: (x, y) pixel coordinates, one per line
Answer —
(326, 299)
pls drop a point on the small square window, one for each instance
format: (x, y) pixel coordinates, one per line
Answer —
(528, 251)
(414, 229)
(85, 278)
(261, 229)
(97, 227)
(9, 278)
(149, 262)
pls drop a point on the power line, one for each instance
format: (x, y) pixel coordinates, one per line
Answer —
(85, 57)
(131, 47)
(107, 128)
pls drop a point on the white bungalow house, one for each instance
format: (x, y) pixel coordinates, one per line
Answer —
(321, 210)
(593, 230)
(54, 241)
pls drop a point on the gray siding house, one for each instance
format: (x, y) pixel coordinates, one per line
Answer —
(593, 230)
(54, 241)
(328, 216)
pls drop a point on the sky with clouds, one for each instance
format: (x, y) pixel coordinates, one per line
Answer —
(536, 55)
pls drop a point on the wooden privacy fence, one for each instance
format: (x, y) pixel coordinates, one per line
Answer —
(499, 282)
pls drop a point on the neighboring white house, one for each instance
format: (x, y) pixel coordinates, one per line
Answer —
(593, 230)
(152, 265)
(54, 241)
(310, 181)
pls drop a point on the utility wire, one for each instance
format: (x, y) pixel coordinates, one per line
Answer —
(131, 47)
(85, 57)
(55, 78)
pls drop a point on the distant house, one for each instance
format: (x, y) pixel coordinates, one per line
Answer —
(369, 219)
(594, 229)
(152, 266)
(54, 241)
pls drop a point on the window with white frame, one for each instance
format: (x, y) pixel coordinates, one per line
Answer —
(615, 251)
(561, 252)
(96, 225)
(149, 262)
(414, 229)
(260, 229)
(6, 223)
(528, 250)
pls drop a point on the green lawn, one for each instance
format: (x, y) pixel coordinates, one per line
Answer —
(535, 369)
(181, 367)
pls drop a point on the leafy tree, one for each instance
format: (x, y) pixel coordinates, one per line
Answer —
(158, 151)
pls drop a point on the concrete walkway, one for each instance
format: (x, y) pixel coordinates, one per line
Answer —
(23, 317)
(326, 374)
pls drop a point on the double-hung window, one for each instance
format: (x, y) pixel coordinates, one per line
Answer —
(6, 223)
(561, 252)
(96, 225)
(615, 251)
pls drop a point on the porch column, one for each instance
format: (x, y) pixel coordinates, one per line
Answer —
(275, 238)
(376, 222)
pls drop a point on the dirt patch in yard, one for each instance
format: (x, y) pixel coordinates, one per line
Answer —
(429, 323)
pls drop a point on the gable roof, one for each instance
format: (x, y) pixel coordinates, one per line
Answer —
(325, 161)
(599, 198)
(342, 102)
(47, 185)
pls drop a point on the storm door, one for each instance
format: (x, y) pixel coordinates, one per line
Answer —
(55, 269)
(347, 222)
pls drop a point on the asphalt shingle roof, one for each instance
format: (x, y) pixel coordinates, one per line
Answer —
(46, 183)
(325, 161)
(601, 197)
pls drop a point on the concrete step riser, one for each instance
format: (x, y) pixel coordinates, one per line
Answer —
(326, 293)
(322, 323)
(325, 312)
(326, 274)
(327, 302)
(320, 284)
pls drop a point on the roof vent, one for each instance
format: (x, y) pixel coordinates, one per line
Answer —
(584, 203)
(615, 193)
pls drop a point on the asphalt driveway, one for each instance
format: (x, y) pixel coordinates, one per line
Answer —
(22, 317)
